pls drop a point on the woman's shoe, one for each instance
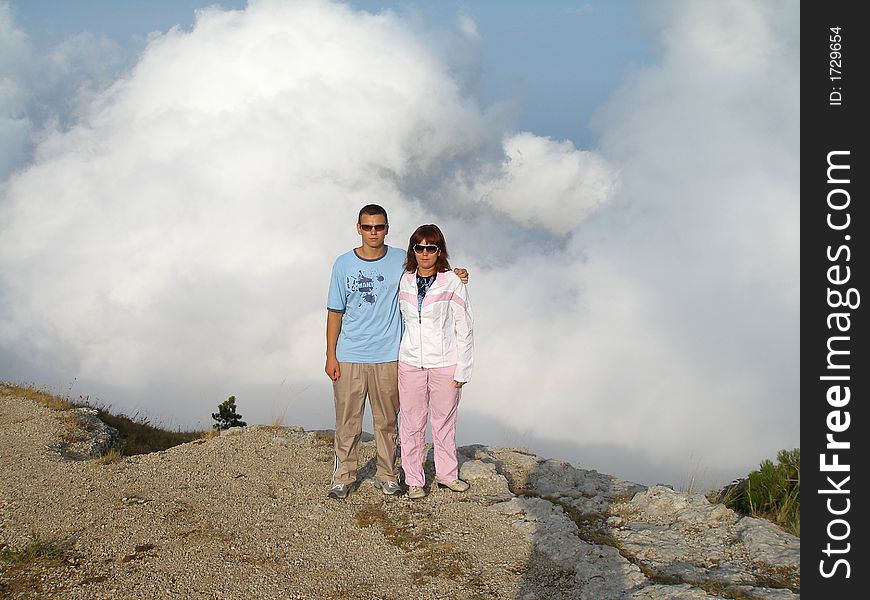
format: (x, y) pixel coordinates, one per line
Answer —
(456, 486)
(415, 492)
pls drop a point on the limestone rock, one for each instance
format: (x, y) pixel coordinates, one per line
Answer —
(671, 592)
(767, 543)
(584, 490)
(599, 571)
(680, 536)
(485, 479)
(103, 437)
(233, 431)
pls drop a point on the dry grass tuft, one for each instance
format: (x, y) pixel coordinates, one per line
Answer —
(112, 456)
(29, 391)
(278, 419)
(138, 434)
(209, 434)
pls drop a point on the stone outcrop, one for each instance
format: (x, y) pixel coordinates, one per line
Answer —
(252, 501)
(622, 540)
(91, 439)
(102, 437)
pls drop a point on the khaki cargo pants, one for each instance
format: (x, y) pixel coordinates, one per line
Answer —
(380, 382)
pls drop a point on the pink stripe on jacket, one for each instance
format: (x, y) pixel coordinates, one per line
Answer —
(441, 333)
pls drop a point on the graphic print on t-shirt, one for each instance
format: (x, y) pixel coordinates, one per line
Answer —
(369, 285)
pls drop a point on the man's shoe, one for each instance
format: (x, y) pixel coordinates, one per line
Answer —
(339, 491)
(390, 488)
(415, 492)
(456, 486)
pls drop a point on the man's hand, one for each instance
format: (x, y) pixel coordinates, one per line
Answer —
(462, 274)
(458, 384)
(333, 369)
(333, 328)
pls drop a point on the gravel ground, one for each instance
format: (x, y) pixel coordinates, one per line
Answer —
(239, 516)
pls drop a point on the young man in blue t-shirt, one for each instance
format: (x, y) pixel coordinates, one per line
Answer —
(363, 331)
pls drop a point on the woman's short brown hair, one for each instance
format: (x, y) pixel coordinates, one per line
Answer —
(432, 235)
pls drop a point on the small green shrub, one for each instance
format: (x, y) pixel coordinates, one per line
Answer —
(227, 416)
(772, 492)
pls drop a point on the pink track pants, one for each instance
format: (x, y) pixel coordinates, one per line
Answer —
(421, 392)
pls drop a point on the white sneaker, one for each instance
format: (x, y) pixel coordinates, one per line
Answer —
(456, 486)
(415, 492)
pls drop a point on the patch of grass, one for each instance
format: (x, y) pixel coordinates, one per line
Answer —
(40, 395)
(717, 589)
(772, 492)
(413, 530)
(17, 578)
(778, 577)
(38, 550)
(591, 527)
(110, 457)
(371, 515)
(138, 435)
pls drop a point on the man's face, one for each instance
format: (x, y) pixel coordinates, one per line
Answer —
(373, 229)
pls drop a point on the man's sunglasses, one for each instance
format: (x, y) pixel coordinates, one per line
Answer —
(430, 248)
(378, 227)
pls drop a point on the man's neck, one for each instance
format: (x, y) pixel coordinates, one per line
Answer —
(370, 253)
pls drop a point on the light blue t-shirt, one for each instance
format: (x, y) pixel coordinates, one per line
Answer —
(367, 292)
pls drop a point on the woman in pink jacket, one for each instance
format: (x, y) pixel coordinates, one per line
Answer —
(435, 359)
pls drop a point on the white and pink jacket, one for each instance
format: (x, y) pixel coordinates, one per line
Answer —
(440, 334)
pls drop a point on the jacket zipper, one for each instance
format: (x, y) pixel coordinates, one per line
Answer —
(420, 322)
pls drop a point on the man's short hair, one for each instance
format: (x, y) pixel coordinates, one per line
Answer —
(371, 210)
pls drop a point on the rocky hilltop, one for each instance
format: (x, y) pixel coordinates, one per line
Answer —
(244, 515)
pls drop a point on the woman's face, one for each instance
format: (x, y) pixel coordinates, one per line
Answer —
(425, 259)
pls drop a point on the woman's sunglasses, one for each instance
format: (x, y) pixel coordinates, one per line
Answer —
(430, 248)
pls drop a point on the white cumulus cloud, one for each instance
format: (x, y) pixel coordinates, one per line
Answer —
(170, 245)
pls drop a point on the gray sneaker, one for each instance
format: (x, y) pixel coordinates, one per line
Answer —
(390, 488)
(339, 491)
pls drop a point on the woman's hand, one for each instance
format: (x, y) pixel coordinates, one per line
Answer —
(458, 384)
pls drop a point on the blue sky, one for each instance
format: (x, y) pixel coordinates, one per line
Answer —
(557, 60)
(171, 201)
